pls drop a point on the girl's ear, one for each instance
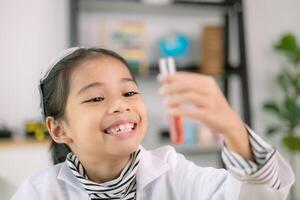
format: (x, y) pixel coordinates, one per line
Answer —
(56, 130)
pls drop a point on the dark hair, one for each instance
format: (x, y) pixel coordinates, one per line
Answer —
(55, 89)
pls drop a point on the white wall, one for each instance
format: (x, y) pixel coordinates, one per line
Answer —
(266, 21)
(31, 33)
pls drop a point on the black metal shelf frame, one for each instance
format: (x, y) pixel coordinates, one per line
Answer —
(233, 13)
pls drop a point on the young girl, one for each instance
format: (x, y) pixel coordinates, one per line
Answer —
(97, 119)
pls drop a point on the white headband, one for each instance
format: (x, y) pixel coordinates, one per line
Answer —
(56, 60)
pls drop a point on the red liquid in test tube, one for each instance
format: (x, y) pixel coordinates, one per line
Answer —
(167, 66)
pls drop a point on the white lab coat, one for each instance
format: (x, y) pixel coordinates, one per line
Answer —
(162, 174)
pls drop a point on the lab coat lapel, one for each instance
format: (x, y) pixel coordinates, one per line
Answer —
(66, 175)
(150, 168)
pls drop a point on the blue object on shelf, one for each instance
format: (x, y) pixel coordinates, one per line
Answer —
(174, 44)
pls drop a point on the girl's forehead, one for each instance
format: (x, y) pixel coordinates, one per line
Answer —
(102, 68)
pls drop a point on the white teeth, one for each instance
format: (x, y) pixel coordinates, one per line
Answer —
(129, 126)
(122, 128)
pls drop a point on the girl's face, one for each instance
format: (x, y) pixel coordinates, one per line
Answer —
(105, 115)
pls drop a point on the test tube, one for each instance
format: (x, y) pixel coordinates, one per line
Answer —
(167, 66)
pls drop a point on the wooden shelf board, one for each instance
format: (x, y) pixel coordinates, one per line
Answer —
(23, 142)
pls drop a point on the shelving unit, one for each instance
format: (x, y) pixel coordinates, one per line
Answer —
(232, 11)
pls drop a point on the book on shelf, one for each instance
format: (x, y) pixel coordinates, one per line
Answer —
(212, 50)
(127, 37)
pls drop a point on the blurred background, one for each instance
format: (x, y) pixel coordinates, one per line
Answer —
(249, 46)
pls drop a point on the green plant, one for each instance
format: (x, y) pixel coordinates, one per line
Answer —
(286, 107)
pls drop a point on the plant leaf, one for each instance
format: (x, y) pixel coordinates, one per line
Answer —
(288, 43)
(291, 142)
(273, 129)
(282, 81)
(293, 81)
(297, 56)
(292, 111)
(271, 107)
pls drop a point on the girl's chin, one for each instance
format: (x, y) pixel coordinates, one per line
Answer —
(123, 150)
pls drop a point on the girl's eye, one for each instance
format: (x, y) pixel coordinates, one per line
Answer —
(129, 94)
(93, 100)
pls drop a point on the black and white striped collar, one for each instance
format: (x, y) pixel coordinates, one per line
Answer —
(123, 187)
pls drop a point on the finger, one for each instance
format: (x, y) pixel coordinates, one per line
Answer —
(190, 97)
(168, 78)
(183, 82)
(175, 87)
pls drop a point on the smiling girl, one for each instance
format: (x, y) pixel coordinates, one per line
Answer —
(97, 119)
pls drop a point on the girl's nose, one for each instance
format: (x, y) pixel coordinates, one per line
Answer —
(119, 106)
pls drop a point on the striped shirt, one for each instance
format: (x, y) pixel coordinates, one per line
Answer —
(264, 171)
(123, 187)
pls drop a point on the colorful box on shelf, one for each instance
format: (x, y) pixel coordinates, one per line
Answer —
(37, 130)
(128, 38)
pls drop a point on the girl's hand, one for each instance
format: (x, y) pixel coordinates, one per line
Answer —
(209, 106)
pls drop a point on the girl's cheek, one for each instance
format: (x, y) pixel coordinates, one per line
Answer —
(143, 109)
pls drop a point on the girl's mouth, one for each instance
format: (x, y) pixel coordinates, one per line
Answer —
(122, 131)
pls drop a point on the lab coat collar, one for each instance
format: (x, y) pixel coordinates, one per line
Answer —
(67, 176)
(150, 168)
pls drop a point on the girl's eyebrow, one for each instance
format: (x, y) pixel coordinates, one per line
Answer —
(94, 84)
(100, 84)
(127, 80)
